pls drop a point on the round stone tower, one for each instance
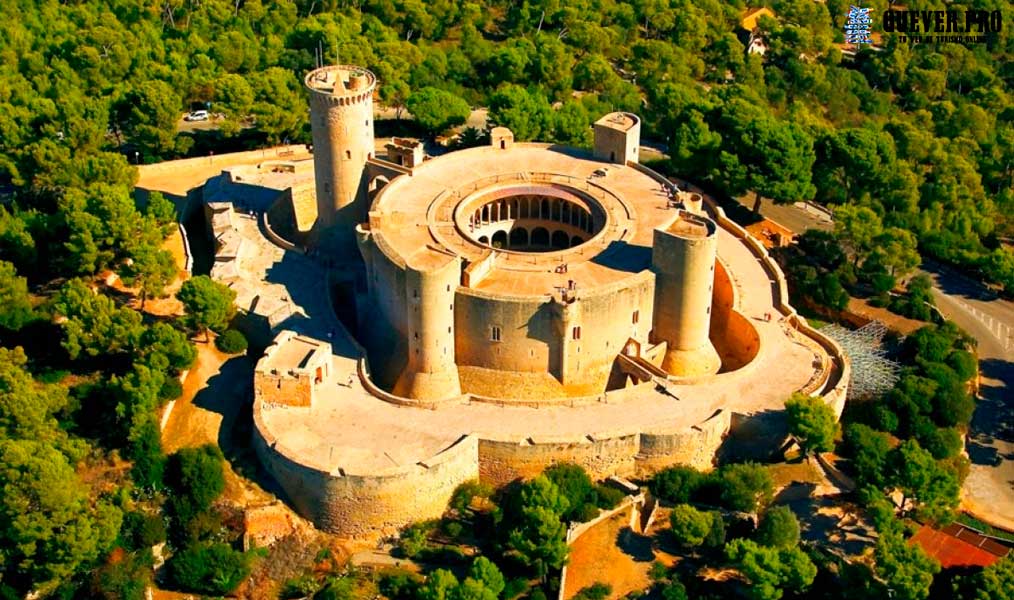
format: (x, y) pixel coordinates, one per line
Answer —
(683, 258)
(341, 117)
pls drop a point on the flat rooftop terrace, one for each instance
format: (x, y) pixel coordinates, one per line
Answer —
(416, 215)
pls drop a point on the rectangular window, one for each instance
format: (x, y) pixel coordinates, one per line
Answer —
(494, 334)
(636, 317)
(576, 333)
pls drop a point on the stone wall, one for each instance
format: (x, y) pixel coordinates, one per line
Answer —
(695, 446)
(283, 388)
(172, 166)
(539, 336)
(367, 505)
(504, 461)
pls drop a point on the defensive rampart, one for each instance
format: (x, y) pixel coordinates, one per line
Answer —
(366, 505)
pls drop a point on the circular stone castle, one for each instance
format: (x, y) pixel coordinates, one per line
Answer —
(513, 306)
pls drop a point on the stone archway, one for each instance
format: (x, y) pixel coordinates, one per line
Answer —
(519, 237)
(500, 239)
(561, 240)
(540, 237)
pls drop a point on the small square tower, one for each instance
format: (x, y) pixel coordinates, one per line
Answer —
(617, 137)
(405, 152)
(293, 369)
(501, 137)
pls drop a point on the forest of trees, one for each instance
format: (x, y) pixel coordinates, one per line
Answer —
(921, 137)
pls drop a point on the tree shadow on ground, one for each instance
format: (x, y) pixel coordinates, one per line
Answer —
(954, 283)
(994, 411)
(635, 545)
(229, 393)
(848, 533)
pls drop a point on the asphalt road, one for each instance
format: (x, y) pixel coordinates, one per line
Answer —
(989, 489)
(988, 493)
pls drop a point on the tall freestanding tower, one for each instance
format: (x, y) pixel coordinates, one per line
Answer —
(341, 117)
(683, 258)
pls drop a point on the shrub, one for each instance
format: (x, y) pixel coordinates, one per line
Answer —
(716, 535)
(689, 525)
(452, 528)
(415, 538)
(595, 591)
(745, 486)
(125, 576)
(464, 493)
(585, 512)
(298, 587)
(141, 530)
(196, 478)
(607, 497)
(171, 389)
(208, 569)
(514, 588)
(778, 528)
(398, 584)
(336, 589)
(941, 442)
(676, 485)
(145, 452)
(574, 485)
(674, 590)
(231, 342)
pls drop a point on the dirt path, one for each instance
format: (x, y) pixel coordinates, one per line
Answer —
(214, 393)
(610, 552)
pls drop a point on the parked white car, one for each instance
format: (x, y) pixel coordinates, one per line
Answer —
(197, 115)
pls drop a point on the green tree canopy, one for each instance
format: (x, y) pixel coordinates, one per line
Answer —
(93, 324)
(690, 526)
(995, 582)
(812, 422)
(213, 568)
(778, 528)
(745, 487)
(437, 110)
(196, 479)
(676, 484)
(49, 527)
(904, 567)
(527, 114)
(771, 571)
(15, 303)
(209, 304)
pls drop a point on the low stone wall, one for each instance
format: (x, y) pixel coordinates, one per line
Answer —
(170, 166)
(274, 237)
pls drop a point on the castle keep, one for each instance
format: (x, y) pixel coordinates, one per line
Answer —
(512, 306)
